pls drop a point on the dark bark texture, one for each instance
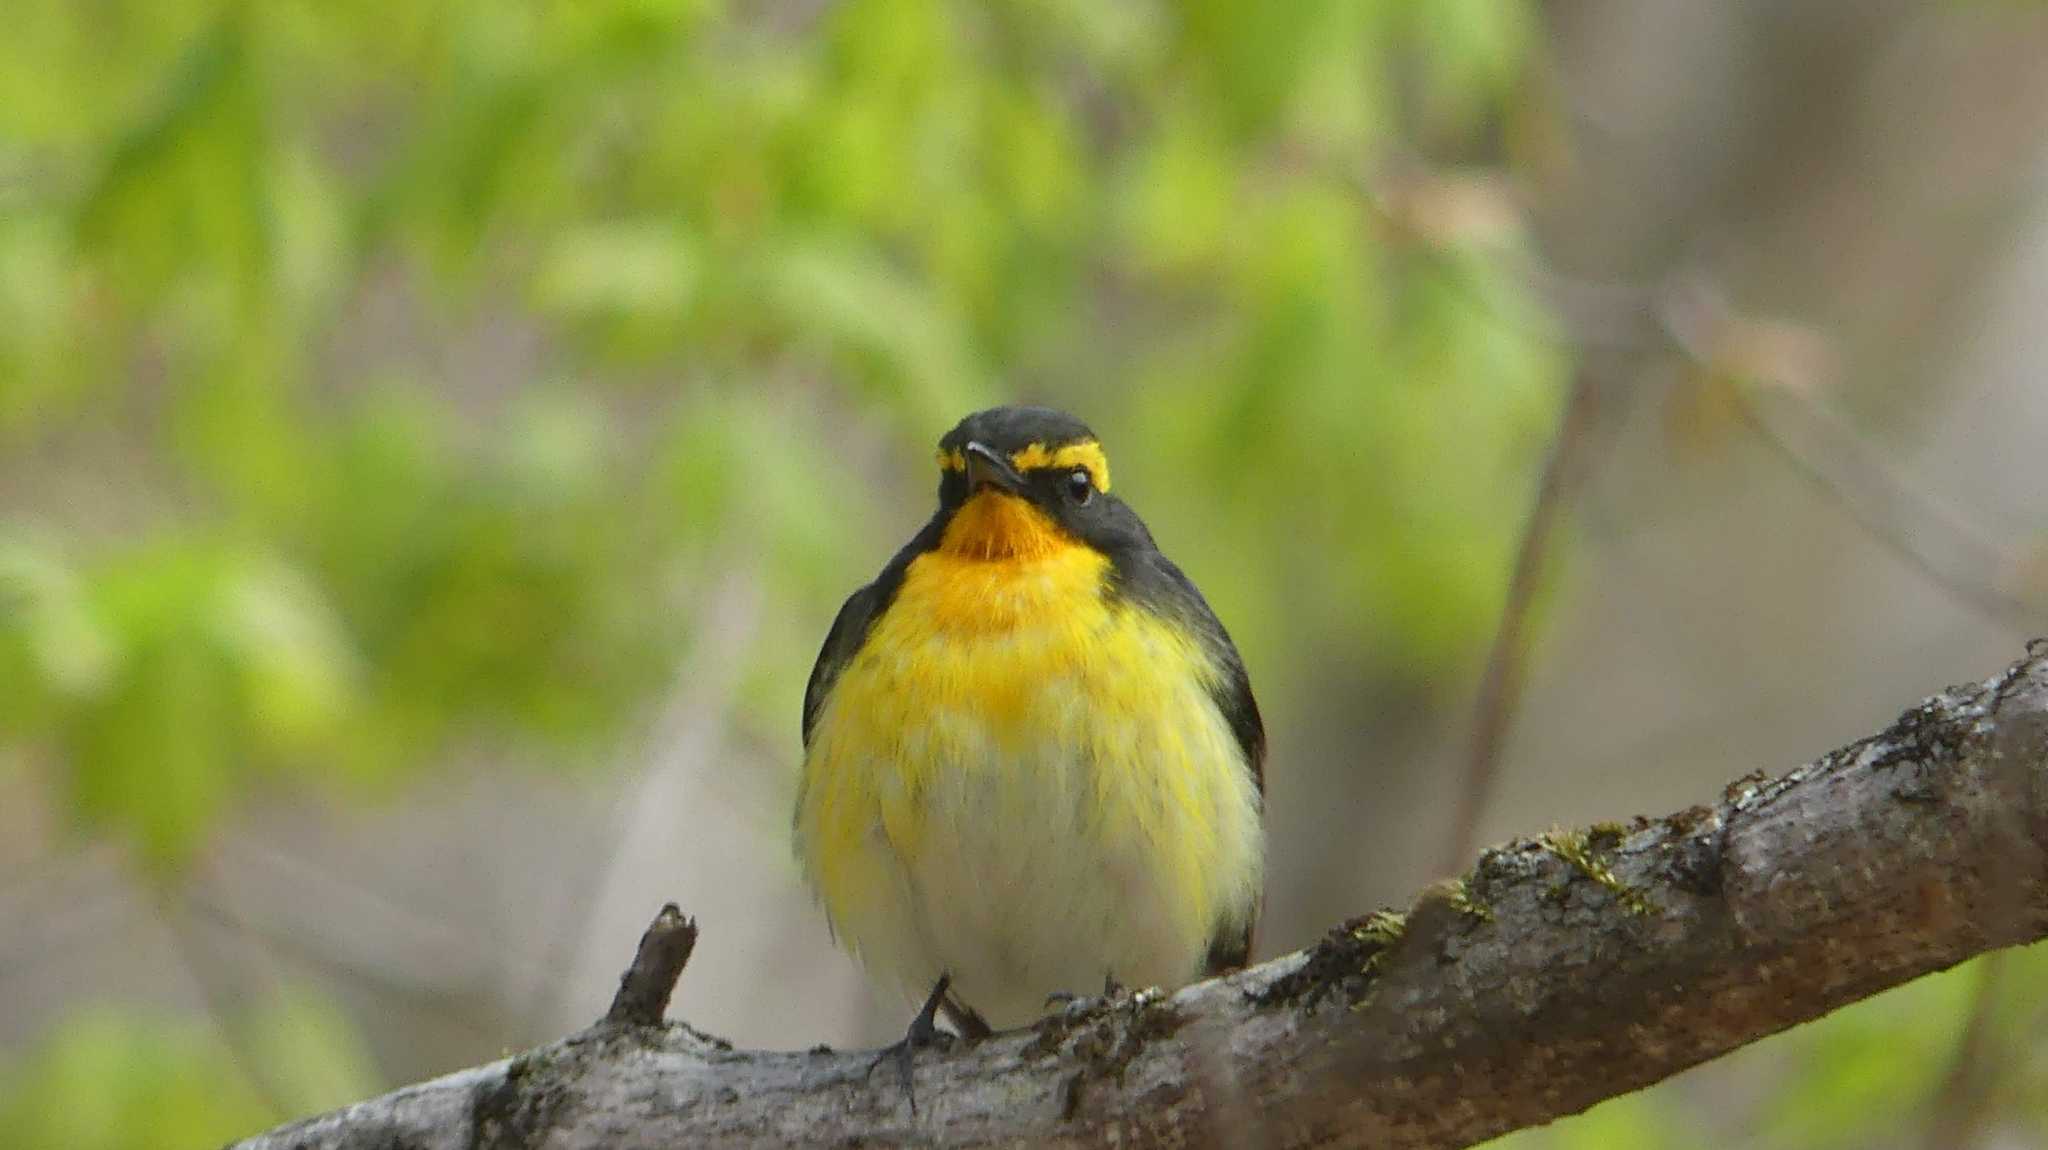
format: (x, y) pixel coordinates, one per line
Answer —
(1557, 972)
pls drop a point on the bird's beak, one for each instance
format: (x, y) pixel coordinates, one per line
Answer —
(987, 467)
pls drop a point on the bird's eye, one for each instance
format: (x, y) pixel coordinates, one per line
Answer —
(1080, 485)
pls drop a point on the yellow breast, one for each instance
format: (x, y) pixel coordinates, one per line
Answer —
(1015, 766)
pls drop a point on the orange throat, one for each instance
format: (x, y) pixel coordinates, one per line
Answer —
(993, 526)
(1002, 566)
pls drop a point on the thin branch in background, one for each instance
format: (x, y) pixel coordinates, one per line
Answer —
(286, 947)
(1691, 316)
(1957, 1111)
(1759, 357)
(1500, 690)
(569, 933)
(35, 937)
(364, 894)
(1895, 514)
(688, 728)
(222, 996)
(1688, 315)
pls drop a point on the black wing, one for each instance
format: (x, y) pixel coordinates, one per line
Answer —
(1233, 696)
(856, 617)
(842, 642)
(1231, 949)
(1154, 580)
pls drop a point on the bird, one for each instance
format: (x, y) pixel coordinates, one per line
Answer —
(1033, 762)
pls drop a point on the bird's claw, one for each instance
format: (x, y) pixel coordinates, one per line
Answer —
(924, 1032)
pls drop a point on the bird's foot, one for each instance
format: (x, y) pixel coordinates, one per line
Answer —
(924, 1032)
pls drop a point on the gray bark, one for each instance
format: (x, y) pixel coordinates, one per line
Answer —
(1557, 972)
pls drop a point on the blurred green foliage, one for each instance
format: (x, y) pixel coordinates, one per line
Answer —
(108, 1080)
(381, 382)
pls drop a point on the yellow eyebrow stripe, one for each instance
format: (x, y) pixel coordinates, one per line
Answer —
(1088, 454)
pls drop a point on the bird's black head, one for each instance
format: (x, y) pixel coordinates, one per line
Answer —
(1020, 481)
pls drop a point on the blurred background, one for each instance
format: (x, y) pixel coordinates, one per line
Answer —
(434, 440)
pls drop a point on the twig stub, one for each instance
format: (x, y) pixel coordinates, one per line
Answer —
(644, 989)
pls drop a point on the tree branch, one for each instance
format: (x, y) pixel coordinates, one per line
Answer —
(1557, 972)
(644, 989)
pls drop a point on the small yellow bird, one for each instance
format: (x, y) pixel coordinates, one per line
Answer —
(1032, 760)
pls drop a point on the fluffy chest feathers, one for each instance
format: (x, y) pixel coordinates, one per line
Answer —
(1025, 783)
